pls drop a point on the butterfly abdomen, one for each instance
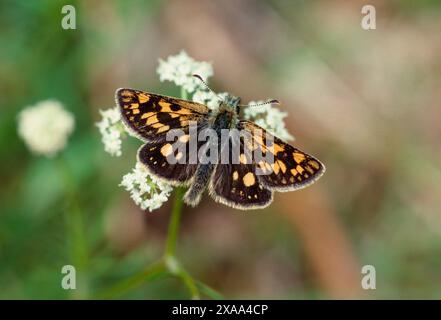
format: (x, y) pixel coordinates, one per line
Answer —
(204, 171)
(202, 176)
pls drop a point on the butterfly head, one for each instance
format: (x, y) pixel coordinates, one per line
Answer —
(231, 103)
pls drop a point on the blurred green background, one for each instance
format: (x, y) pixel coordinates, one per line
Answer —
(367, 103)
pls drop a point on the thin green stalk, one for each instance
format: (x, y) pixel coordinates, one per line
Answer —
(175, 219)
(173, 227)
(208, 291)
(176, 269)
(190, 283)
(184, 94)
(171, 261)
(152, 272)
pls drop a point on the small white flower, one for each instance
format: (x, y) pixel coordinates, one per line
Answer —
(209, 98)
(45, 127)
(146, 191)
(180, 69)
(112, 114)
(111, 129)
(269, 118)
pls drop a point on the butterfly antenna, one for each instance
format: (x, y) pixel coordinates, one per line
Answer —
(273, 101)
(206, 86)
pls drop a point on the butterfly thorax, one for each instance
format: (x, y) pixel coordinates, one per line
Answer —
(230, 103)
(224, 118)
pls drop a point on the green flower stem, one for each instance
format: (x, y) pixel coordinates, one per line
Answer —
(155, 270)
(170, 259)
(208, 291)
(173, 227)
(76, 238)
(164, 267)
(184, 94)
(175, 219)
(175, 268)
(190, 283)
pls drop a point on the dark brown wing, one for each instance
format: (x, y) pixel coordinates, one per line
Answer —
(150, 116)
(172, 161)
(291, 169)
(236, 184)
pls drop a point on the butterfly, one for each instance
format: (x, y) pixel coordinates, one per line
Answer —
(239, 184)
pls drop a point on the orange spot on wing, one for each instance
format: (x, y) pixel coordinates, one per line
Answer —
(282, 165)
(184, 138)
(166, 149)
(147, 115)
(276, 167)
(314, 164)
(310, 170)
(183, 111)
(126, 93)
(163, 128)
(276, 148)
(249, 179)
(143, 98)
(243, 159)
(151, 120)
(298, 157)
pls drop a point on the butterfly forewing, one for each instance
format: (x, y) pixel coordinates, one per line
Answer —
(150, 116)
(291, 169)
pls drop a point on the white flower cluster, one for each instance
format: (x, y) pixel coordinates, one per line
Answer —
(45, 127)
(269, 118)
(111, 129)
(148, 192)
(209, 98)
(180, 69)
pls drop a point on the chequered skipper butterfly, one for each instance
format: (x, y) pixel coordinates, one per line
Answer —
(151, 116)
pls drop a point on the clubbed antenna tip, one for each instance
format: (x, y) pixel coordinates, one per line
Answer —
(206, 85)
(203, 81)
(273, 101)
(199, 77)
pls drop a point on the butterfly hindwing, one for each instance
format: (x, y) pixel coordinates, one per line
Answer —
(236, 184)
(173, 160)
(154, 156)
(291, 169)
(150, 116)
